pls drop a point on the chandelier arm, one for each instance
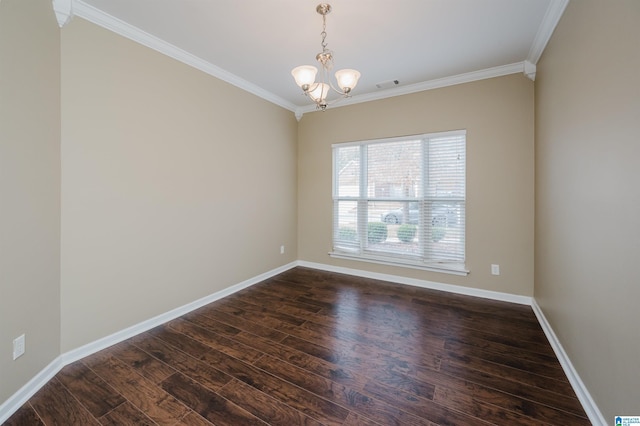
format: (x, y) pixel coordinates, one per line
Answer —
(312, 87)
(326, 78)
(330, 102)
(339, 91)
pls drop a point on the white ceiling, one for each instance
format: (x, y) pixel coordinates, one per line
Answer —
(254, 44)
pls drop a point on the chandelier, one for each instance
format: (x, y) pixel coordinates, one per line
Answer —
(305, 75)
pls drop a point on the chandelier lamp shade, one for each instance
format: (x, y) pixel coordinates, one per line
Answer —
(305, 75)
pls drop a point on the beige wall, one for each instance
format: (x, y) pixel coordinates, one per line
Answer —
(498, 116)
(29, 189)
(587, 197)
(175, 185)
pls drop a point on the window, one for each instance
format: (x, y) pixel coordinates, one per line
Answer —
(401, 201)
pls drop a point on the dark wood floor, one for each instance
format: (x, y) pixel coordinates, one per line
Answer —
(316, 348)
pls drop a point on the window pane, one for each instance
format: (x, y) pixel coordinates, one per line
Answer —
(346, 229)
(445, 236)
(394, 169)
(347, 164)
(393, 227)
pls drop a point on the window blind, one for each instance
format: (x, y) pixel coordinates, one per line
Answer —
(401, 200)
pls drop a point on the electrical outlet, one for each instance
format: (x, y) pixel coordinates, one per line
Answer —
(18, 346)
(495, 269)
(281, 249)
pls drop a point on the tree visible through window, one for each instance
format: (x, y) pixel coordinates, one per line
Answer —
(401, 200)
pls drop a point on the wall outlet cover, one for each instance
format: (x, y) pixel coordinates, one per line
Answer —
(18, 346)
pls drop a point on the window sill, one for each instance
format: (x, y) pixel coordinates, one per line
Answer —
(445, 268)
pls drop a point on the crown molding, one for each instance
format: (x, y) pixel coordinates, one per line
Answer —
(120, 27)
(547, 27)
(63, 10)
(518, 67)
(530, 70)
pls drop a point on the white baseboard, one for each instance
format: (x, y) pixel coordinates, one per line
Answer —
(469, 291)
(14, 402)
(589, 405)
(29, 389)
(105, 342)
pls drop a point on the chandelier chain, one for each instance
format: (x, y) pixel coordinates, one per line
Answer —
(324, 33)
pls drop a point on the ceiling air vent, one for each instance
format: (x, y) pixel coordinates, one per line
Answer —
(387, 84)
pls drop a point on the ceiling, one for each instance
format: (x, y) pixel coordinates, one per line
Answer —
(254, 44)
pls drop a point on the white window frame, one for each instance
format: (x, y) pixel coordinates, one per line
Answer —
(362, 200)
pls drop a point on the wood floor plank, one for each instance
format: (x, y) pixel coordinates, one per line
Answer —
(402, 384)
(201, 372)
(469, 310)
(476, 340)
(527, 391)
(273, 297)
(383, 316)
(504, 372)
(256, 315)
(547, 367)
(217, 327)
(357, 420)
(425, 408)
(265, 309)
(24, 416)
(511, 341)
(340, 394)
(195, 419)
(448, 385)
(269, 409)
(305, 361)
(311, 347)
(145, 364)
(179, 341)
(126, 414)
(89, 389)
(55, 405)
(292, 281)
(244, 325)
(381, 322)
(221, 328)
(210, 405)
(309, 403)
(525, 412)
(347, 352)
(214, 340)
(142, 393)
(330, 337)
